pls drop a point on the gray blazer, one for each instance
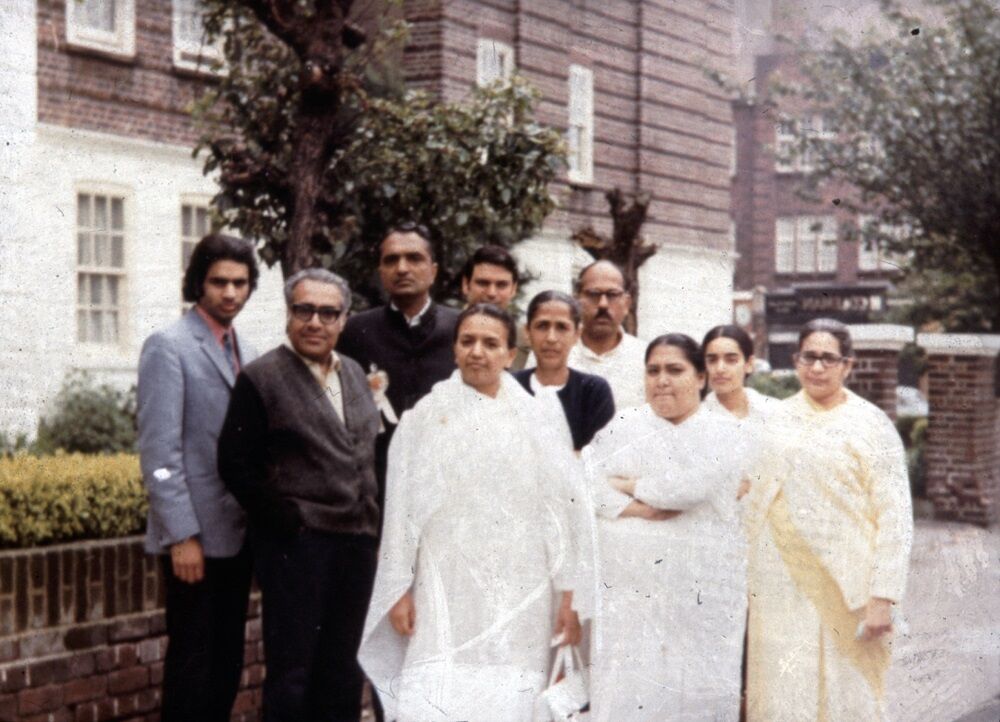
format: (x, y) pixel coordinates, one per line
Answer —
(184, 387)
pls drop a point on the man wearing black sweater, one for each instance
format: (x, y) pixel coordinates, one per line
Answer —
(297, 450)
(408, 343)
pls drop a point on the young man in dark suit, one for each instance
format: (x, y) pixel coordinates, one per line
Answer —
(186, 375)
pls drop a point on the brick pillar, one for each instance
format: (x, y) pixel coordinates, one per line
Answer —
(963, 432)
(876, 366)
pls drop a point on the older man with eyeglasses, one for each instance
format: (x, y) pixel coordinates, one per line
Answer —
(604, 348)
(297, 450)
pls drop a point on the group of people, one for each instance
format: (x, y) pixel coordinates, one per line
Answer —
(436, 499)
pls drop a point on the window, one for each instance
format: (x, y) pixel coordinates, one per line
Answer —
(580, 134)
(196, 223)
(100, 267)
(191, 49)
(494, 61)
(105, 25)
(805, 244)
(787, 132)
(871, 255)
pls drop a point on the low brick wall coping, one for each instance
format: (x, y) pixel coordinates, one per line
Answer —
(960, 344)
(881, 336)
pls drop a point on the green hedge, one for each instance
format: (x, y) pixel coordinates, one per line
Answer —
(67, 497)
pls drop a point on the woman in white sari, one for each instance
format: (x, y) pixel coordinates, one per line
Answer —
(830, 531)
(671, 603)
(486, 541)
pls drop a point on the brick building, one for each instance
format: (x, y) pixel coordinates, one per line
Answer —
(803, 255)
(101, 198)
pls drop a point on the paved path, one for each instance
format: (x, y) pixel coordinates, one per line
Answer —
(948, 667)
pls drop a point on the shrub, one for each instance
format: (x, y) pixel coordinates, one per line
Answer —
(89, 419)
(45, 500)
(778, 385)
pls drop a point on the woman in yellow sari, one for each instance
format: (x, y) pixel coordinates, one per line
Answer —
(830, 527)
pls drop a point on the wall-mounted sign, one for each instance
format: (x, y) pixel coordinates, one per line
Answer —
(848, 304)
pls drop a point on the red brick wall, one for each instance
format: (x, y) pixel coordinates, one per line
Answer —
(82, 635)
(143, 98)
(660, 124)
(963, 437)
(875, 377)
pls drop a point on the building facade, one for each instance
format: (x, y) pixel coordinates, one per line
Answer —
(101, 199)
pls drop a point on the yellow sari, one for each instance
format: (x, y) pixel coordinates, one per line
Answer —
(830, 527)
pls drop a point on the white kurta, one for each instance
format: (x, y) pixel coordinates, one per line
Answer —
(484, 523)
(671, 604)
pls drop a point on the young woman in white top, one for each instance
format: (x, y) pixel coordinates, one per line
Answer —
(728, 361)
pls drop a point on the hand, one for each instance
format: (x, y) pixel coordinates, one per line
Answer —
(744, 489)
(568, 621)
(403, 615)
(640, 510)
(624, 484)
(188, 560)
(878, 618)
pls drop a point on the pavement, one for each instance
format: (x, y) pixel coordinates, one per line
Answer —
(947, 667)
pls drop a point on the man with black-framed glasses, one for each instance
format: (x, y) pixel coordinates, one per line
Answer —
(604, 348)
(297, 450)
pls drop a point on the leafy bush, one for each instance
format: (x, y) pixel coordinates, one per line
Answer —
(45, 500)
(778, 385)
(913, 430)
(89, 419)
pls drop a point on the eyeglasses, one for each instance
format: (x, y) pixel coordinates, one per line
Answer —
(305, 311)
(807, 359)
(594, 296)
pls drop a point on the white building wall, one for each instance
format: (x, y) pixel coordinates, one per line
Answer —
(155, 179)
(18, 110)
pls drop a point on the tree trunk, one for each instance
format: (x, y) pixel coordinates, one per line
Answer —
(306, 174)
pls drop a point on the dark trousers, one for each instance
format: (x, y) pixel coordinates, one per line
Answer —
(205, 627)
(315, 590)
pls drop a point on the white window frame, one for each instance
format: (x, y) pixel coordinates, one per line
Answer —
(198, 56)
(877, 259)
(88, 268)
(787, 132)
(494, 62)
(196, 202)
(580, 124)
(119, 42)
(805, 245)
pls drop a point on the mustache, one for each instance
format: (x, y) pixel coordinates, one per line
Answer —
(603, 313)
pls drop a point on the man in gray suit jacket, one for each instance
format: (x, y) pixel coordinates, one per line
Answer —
(298, 451)
(186, 375)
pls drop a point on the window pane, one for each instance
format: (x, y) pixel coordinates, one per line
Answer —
(96, 334)
(117, 251)
(805, 257)
(111, 327)
(201, 227)
(117, 214)
(83, 210)
(81, 326)
(100, 213)
(83, 250)
(97, 14)
(112, 282)
(186, 220)
(828, 255)
(101, 250)
(187, 248)
(95, 296)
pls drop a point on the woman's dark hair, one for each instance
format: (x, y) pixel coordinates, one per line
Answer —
(737, 334)
(216, 247)
(494, 256)
(833, 327)
(688, 346)
(488, 309)
(554, 297)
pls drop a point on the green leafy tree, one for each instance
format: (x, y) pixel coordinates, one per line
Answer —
(318, 150)
(89, 419)
(918, 136)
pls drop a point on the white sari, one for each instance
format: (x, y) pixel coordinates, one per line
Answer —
(671, 605)
(486, 519)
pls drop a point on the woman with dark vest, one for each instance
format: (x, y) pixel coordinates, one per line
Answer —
(553, 329)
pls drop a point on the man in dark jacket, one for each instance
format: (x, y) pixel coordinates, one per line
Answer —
(297, 450)
(406, 346)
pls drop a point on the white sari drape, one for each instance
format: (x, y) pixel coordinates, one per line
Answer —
(671, 603)
(486, 517)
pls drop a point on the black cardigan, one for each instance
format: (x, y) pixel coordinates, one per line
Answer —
(586, 400)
